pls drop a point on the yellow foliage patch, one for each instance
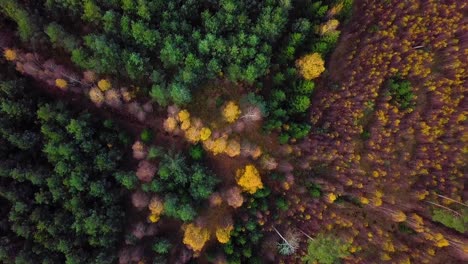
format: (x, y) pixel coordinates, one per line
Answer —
(195, 237)
(219, 145)
(224, 234)
(185, 124)
(385, 257)
(440, 240)
(377, 201)
(104, 85)
(205, 133)
(154, 218)
(329, 26)
(231, 112)
(156, 206)
(249, 179)
(399, 216)
(192, 134)
(10, 55)
(331, 197)
(311, 66)
(61, 83)
(183, 115)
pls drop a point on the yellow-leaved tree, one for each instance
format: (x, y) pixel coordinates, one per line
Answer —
(398, 216)
(156, 206)
(231, 112)
(219, 145)
(205, 133)
(195, 237)
(223, 234)
(310, 66)
(330, 198)
(192, 135)
(183, 115)
(61, 83)
(104, 85)
(249, 179)
(329, 26)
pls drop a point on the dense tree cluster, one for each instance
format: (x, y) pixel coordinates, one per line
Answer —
(183, 184)
(366, 161)
(59, 174)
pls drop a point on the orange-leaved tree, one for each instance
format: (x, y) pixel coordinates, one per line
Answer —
(232, 148)
(10, 55)
(310, 66)
(249, 179)
(170, 124)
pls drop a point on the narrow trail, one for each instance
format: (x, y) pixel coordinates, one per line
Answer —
(46, 71)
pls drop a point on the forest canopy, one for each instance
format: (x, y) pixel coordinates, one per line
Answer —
(233, 131)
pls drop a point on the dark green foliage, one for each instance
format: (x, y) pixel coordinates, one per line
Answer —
(282, 204)
(146, 136)
(60, 38)
(103, 56)
(197, 152)
(315, 190)
(135, 65)
(161, 246)
(299, 104)
(401, 92)
(184, 185)
(91, 12)
(159, 94)
(179, 94)
(402, 227)
(60, 190)
(448, 219)
(127, 179)
(14, 11)
(247, 234)
(189, 41)
(155, 152)
(365, 135)
(305, 87)
(299, 131)
(325, 249)
(284, 138)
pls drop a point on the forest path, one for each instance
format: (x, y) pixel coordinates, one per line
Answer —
(134, 114)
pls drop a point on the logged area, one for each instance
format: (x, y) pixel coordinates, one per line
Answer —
(233, 131)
